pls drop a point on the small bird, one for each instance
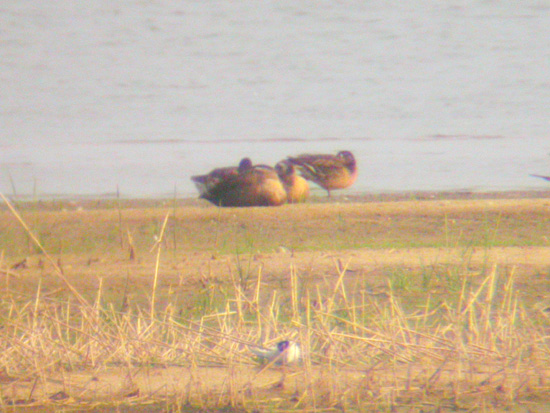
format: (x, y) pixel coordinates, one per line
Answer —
(242, 186)
(284, 353)
(297, 188)
(328, 171)
(546, 178)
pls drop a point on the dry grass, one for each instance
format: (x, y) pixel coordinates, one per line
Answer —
(477, 345)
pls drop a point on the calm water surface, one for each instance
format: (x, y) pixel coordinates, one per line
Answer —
(429, 95)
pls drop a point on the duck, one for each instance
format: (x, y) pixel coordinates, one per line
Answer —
(205, 183)
(297, 188)
(546, 178)
(246, 185)
(283, 353)
(328, 171)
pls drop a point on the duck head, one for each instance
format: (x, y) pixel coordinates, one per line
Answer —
(348, 158)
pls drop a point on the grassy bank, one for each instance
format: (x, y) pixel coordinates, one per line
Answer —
(405, 224)
(420, 305)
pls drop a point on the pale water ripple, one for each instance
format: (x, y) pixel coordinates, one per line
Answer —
(429, 95)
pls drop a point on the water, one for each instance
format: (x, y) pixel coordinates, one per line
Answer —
(429, 95)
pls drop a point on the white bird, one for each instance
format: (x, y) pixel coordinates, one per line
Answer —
(284, 353)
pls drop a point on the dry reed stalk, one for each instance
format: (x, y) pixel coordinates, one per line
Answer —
(257, 305)
(158, 245)
(58, 271)
(337, 286)
(218, 226)
(131, 246)
(239, 296)
(295, 300)
(174, 219)
(468, 308)
(118, 207)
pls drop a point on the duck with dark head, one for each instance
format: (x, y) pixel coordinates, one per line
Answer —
(328, 171)
(242, 186)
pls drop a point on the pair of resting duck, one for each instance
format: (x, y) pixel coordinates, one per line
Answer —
(262, 185)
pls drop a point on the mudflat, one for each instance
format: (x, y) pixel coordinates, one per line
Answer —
(410, 301)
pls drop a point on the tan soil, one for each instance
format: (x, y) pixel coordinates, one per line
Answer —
(199, 258)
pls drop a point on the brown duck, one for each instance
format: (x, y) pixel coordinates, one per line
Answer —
(297, 188)
(242, 186)
(328, 171)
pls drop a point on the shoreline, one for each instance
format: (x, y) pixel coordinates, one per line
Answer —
(55, 202)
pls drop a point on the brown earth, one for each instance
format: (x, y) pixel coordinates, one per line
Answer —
(201, 242)
(370, 240)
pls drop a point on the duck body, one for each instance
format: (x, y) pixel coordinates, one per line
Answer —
(209, 182)
(328, 171)
(284, 353)
(242, 186)
(297, 188)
